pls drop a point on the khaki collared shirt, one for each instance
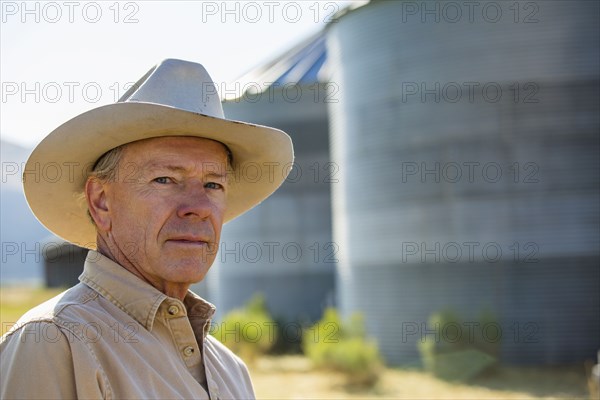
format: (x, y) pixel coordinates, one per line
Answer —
(113, 336)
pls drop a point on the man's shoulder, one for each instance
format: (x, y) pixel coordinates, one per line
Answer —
(53, 310)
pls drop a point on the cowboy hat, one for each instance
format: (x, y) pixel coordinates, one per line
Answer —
(175, 98)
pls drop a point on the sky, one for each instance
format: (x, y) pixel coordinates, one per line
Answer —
(61, 58)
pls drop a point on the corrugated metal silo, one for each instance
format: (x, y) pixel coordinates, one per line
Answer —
(283, 247)
(466, 137)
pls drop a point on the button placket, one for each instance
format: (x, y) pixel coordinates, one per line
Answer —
(182, 333)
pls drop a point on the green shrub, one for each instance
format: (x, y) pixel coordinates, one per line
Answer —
(249, 331)
(289, 335)
(335, 345)
(458, 350)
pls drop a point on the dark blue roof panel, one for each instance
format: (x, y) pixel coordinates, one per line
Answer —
(305, 63)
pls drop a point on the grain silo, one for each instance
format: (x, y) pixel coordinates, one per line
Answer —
(466, 136)
(283, 247)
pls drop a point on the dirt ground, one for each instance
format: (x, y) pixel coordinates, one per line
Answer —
(292, 377)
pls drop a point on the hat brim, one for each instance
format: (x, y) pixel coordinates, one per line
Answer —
(56, 171)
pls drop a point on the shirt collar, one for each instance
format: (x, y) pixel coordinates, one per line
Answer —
(137, 298)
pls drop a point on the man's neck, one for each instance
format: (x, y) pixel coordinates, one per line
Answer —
(171, 289)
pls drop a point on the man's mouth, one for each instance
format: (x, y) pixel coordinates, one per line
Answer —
(190, 240)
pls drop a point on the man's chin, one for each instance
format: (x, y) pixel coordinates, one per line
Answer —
(189, 270)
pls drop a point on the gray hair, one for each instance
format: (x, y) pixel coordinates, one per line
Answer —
(105, 169)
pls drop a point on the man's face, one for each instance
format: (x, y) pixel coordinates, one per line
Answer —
(166, 207)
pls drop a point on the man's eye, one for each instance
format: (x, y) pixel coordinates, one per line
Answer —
(162, 180)
(213, 185)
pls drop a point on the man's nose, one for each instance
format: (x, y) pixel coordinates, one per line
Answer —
(194, 202)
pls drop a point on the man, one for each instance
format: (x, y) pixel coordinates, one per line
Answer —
(164, 176)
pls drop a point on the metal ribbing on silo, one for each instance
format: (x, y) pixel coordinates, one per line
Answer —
(283, 247)
(401, 209)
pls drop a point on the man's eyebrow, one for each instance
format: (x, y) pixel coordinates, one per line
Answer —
(216, 175)
(176, 168)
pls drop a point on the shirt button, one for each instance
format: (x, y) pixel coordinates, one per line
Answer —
(188, 351)
(173, 310)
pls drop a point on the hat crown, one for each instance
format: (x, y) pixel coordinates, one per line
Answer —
(179, 84)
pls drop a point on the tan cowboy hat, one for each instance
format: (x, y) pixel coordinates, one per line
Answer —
(175, 98)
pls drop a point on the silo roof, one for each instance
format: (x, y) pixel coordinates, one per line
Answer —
(304, 64)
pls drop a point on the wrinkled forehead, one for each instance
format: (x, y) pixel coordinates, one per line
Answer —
(177, 146)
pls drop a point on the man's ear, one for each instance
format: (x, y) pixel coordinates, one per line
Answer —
(95, 194)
